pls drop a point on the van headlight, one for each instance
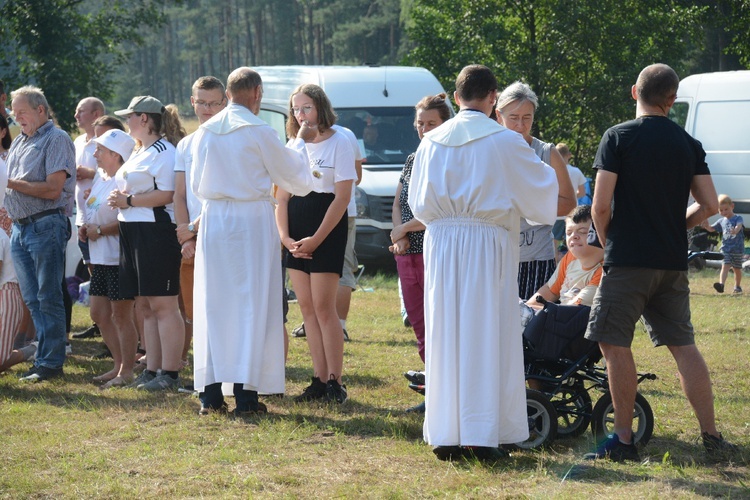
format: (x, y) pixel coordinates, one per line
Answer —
(363, 204)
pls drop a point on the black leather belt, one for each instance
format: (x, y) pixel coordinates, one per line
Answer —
(37, 216)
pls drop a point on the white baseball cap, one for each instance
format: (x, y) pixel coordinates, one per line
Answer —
(117, 141)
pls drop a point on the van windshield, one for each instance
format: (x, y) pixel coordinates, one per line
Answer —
(385, 135)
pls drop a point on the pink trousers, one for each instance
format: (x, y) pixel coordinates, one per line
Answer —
(411, 272)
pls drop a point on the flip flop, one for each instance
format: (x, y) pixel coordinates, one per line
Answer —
(117, 382)
(105, 377)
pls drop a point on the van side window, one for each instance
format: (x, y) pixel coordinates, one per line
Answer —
(276, 120)
(679, 113)
(723, 125)
(386, 135)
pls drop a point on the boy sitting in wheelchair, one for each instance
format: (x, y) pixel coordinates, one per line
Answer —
(578, 273)
(574, 283)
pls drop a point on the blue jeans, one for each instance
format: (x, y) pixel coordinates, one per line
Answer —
(38, 250)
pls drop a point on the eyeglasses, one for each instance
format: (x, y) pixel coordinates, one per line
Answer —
(304, 109)
(209, 105)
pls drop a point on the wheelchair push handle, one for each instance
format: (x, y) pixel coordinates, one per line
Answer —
(706, 255)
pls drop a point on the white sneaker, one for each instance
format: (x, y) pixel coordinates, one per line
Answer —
(68, 349)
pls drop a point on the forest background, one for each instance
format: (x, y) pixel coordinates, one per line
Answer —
(580, 56)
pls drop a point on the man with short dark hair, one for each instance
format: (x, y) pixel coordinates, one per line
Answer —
(41, 178)
(649, 167)
(237, 324)
(472, 182)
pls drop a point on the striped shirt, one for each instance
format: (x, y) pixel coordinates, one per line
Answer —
(33, 158)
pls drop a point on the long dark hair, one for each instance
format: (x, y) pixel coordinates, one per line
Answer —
(7, 139)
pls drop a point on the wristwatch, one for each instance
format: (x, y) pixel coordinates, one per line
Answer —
(99, 230)
(129, 201)
(191, 228)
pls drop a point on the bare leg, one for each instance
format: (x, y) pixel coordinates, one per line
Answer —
(171, 331)
(123, 319)
(188, 342)
(343, 301)
(15, 357)
(139, 325)
(696, 383)
(623, 384)
(324, 290)
(101, 314)
(737, 276)
(302, 288)
(188, 329)
(723, 273)
(150, 334)
(286, 344)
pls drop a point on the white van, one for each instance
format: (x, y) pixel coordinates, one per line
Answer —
(377, 104)
(715, 109)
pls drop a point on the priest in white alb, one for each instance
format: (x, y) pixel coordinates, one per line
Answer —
(237, 324)
(471, 183)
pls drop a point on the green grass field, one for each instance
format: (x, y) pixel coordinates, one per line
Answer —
(68, 439)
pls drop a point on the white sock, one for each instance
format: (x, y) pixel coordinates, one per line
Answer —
(343, 323)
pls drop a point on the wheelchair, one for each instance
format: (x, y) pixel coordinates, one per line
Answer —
(564, 369)
(562, 364)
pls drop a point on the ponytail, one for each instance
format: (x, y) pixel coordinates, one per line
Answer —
(171, 127)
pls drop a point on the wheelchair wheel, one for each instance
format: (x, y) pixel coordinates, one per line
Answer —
(603, 419)
(573, 406)
(542, 421)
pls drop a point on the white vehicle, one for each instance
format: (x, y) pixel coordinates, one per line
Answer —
(715, 109)
(377, 104)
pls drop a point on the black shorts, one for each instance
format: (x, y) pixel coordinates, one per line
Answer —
(305, 216)
(105, 282)
(149, 259)
(284, 294)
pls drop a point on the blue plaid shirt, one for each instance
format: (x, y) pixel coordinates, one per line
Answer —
(33, 158)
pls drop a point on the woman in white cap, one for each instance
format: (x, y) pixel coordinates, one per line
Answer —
(110, 310)
(149, 250)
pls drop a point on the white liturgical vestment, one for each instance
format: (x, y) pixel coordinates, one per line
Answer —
(238, 324)
(471, 183)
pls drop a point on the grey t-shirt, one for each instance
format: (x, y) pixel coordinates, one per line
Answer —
(536, 240)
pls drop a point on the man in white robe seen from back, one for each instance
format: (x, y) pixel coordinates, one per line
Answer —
(238, 330)
(471, 183)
